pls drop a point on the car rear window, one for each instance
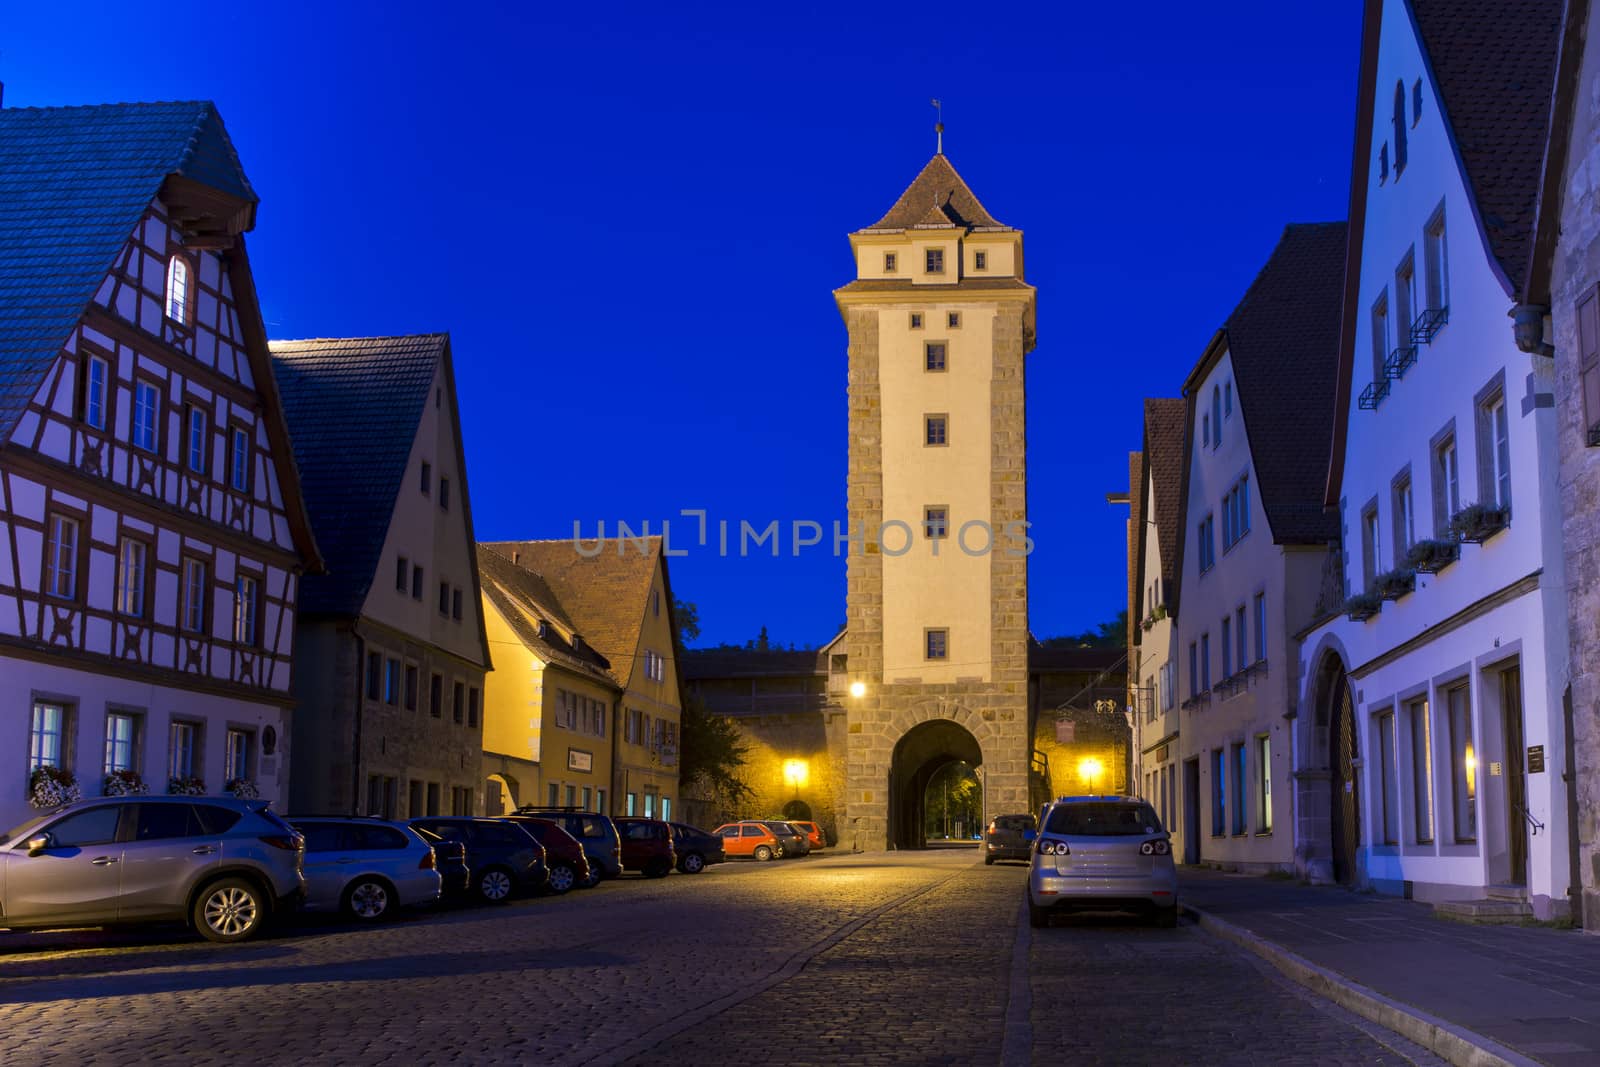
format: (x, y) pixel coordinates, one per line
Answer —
(1102, 819)
(1014, 822)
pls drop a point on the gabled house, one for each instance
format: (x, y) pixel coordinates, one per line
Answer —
(610, 602)
(1258, 405)
(152, 526)
(1153, 665)
(1430, 736)
(393, 650)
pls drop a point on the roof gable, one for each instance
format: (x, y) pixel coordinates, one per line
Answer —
(1165, 454)
(525, 601)
(937, 198)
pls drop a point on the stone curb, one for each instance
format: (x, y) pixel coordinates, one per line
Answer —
(1458, 1045)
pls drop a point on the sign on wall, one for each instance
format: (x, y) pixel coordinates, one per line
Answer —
(579, 760)
(1535, 759)
(1066, 731)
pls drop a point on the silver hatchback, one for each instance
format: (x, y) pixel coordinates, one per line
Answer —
(1101, 853)
(222, 865)
(366, 868)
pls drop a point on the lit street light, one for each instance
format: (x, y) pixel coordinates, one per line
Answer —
(1091, 769)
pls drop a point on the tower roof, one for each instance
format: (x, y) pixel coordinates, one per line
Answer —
(937, 198)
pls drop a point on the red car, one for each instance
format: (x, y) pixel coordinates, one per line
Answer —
(568, 865)
(646, 845)
(812, 831)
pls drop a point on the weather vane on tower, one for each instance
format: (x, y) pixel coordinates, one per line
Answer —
(938, 126)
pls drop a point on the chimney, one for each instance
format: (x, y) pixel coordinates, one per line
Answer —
(516, 555)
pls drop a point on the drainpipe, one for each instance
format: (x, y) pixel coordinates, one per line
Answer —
(1527, 326)
(616, 759)
(355, 762)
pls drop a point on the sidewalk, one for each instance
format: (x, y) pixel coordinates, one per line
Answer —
(1533, 990)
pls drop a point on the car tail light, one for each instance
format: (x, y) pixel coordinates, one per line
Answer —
(1154, 848)
(427, 862)
(294, 843)
(1054, 848)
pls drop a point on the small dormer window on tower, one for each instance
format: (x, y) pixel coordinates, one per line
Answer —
(889, 262)
(980, 261)
(935, 260)
(179, 298)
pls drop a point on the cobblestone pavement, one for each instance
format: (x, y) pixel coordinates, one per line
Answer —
(887, 958)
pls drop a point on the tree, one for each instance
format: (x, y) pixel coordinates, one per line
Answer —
(711, 752)
(1112, 634)
(687, 616)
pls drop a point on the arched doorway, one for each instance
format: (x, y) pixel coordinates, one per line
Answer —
(924, 751)
(1336, 720)
(797, 809)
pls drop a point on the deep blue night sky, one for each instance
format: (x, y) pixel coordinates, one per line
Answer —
(631, 220)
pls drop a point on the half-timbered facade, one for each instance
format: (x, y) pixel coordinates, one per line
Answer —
(151, 530)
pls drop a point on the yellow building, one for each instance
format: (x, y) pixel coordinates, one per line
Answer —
(584, 706)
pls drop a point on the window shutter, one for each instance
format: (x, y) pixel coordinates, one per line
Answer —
(1589, 362)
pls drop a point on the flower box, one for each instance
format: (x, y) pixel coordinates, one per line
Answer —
(124, 784)
(1362, 606)
(186, 787)
(1431, 557)
(1392, 585)
(51, 787)
(1476, 523)
(243, 788)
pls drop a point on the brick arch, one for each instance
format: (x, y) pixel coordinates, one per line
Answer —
(914, 715)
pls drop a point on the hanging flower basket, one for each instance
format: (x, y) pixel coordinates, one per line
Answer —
(1392, 585)
(243, 788)
(1149, 623)
(1431, 557)
(1362, 606)
(1476, 523)
(124, 784)
(186, 787)
(1160, 612)
(51, 787)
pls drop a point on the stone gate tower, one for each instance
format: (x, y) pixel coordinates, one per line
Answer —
(940, 321)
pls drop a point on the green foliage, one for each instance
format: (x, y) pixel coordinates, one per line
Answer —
(687, 616)
(711, 752)
(1111, 634)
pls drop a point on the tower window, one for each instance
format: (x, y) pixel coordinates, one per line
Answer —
(936, 429)
(954, 320)
(916, 320)
(936, 522)
(980, 261)
(889, 263)
(934, 260)
(937, 644)
(934, 355)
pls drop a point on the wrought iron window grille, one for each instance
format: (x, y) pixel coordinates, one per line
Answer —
(1428, 323)
(1373, 395)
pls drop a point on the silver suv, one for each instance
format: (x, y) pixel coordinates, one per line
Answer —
(220, 864)
(1101, 853)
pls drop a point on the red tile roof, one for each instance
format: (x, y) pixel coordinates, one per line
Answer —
(937, 198)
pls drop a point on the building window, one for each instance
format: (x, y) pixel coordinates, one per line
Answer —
(1261, 627)
(458, 708)
(935, 430)
(1380, 338)
(472, 707)
(237, 755)
(1227, 400)
(47, 736)
(935, 522)
(555, 795)
(444, 598)
(146, 415)
(1404, 287)
(1241, 774)
(444, 494)
(1236, 513)
(980, 261)
(1205, 430)
(1589, 363)
(455, 604)
(131, 555)
(933, 261)
(416, 583)
(246, 609)
(1216, 416)
(391, 681)
(1494, 451)
(1205, 662)
(1238, 632)
(1404, 530)
(890, 262)
(1369, 545)
(933, 353)
(1446, 483)
(381, 796)
(1399, 128)
(239, 464)
(374, 675)
(179, 294)
(93, 408)
(402, 571)
(1194, 669)
(427, 478)
(121, 731)
(1264, 787)
(916, 320)
(183, 750)
(1219, 806)
(937, 644)
(1435, 262)
(194, 596)
(1227, 647)
(1389, 809)
(195, 420)
(1421, 770)
(1463, 766)
(953, 320)
(655, 603)
(413, 683)
(436, 696)
(1208, 546)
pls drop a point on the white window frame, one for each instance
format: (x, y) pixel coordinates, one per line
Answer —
(145, 430)
(122, 742)
(47, 735)
(132, 558)
(61, 558)
(180, 290)
(193, 615)
(246, 605)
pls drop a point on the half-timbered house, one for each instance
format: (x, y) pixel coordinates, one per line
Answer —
(152, 534)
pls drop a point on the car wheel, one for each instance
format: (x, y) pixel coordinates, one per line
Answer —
(494, 885)
(1167, 918)
(595, 875)
(368, 900)
(693, 863)
(562, 878)
(988, 861)
(657, 869)
(229, 910)
(1038, 917)
(763, 853)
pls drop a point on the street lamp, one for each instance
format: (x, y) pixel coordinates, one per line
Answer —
(1090, 768)
(858, 689)
(795, 773)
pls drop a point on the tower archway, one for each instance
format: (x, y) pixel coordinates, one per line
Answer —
(921, 753)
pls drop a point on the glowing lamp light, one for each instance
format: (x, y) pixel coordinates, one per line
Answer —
(795, 772)
(1090, 768)
(858, 689)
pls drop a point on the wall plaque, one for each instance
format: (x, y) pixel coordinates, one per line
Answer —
(579, 760)
(1535, 759)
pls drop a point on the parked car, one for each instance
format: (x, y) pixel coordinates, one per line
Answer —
(814, 835)
(222, 865)
(505, 859)
(450, 859)
(1008, 837)
(595, 832)
(794, 841)
(750, 838)
(563, 853)
(1102, 853)
(696, 848)
(646, 846)
(366, 868)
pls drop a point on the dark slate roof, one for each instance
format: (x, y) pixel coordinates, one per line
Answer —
(937, 198)
(605, 595)
(1283, 338)
(524, 599)
(74, 182)
(708, 663)
(1165, 454)
(1494, 62)
(353, 406)
(1049, 659)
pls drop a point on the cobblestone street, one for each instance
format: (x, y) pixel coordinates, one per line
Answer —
(904, 958)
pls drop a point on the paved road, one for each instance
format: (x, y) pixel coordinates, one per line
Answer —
(889, 958)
